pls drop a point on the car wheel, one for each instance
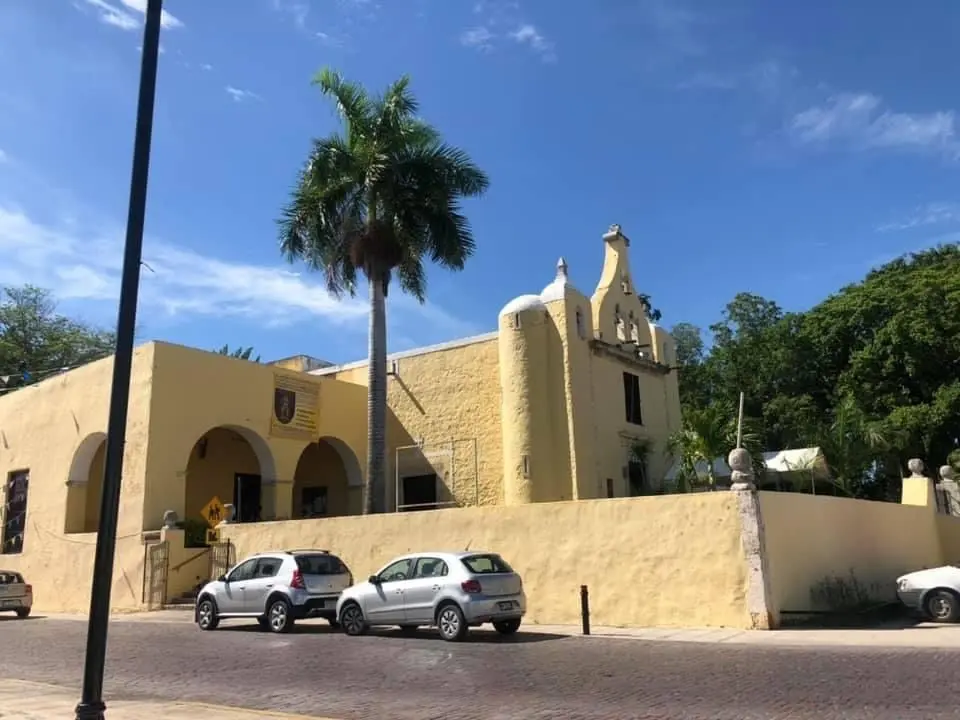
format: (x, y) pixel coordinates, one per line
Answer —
(352, 620)
(207, 618)
(23, 613)
(451, 623)
(943, 606)
(506, 627)
(279, 617)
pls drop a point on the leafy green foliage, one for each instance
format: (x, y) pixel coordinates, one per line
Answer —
(871, 374)
(240, 353)
(36, 341)
(383, 196)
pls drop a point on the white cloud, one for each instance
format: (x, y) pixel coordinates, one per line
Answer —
(937, 213)
(128, 14)
(206, 66)
(239, 95)
(529, 35)
(77, 263)
(478, 37)
(3, 156)
(860, 120)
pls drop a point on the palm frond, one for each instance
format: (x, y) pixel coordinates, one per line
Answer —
(352, 100)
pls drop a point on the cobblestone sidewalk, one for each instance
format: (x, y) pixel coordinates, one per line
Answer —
(21, 700)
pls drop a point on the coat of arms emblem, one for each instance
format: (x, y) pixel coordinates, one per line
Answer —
(284, 405)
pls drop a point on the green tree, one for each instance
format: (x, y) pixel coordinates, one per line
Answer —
(240, 353)
(708, 434)
(35, 340)
(381, 198)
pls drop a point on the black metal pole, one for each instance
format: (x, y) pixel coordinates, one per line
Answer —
(91, 705)
(585, 609)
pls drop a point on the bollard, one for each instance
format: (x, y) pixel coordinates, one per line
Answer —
(585, 609)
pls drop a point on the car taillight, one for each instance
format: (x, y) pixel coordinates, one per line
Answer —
(297, 581)
(471, 586)
(28, 588)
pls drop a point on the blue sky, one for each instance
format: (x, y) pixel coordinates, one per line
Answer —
(779, 148)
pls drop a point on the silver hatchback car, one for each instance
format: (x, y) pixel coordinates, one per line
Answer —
(16, 595)
(452, 591)
(276, 589)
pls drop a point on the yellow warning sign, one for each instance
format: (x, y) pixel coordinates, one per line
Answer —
(213, 536)
(213, 512)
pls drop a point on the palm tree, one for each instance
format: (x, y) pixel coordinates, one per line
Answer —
(705, 435)
(382, 197)
(852, 444)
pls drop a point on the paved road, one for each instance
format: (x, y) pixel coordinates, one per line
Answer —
(389, 677)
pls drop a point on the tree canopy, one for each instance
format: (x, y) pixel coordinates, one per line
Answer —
(871, 374)
(36, 341)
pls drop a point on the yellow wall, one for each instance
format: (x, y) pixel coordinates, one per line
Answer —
(199, 391)
(449, 397)
(654, 561)
(41, 429)
(948, 528)
(821, 548)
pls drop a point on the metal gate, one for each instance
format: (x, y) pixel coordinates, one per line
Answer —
(158, 561)
(222, 558)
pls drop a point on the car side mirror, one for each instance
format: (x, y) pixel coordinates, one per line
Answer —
(374, 580)
(222, 578)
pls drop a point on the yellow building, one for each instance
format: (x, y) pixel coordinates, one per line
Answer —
(550, 407)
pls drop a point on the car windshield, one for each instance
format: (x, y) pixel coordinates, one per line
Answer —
(486, 564)
(321, 564)
(10, 578)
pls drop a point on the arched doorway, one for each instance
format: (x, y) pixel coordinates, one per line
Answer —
(228, 463)
(85, 485)
(328, 481)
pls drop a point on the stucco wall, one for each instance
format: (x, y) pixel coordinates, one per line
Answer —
(653, 561)
(948, 528)
(198, 391)
(449, 397)
(41, 429)
(825, 553)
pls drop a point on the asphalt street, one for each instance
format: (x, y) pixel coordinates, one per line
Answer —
(385, 676)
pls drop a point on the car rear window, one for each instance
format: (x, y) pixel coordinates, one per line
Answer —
(10, 578)
(486, 564)
(321, 565)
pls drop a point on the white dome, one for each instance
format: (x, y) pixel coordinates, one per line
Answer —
(523, 303)
(560, 287)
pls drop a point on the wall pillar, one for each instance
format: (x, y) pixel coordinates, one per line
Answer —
(949, 491)
(918, 489)
(763, 615)
(276, 498)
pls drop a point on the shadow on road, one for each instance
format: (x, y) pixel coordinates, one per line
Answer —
(474, 636)
(884, 617)
(14, 618)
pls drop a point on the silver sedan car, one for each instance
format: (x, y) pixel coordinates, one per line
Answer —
(451, 591)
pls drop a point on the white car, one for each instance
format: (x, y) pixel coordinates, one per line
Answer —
(934, 592)
(452, 591)
(16, 595)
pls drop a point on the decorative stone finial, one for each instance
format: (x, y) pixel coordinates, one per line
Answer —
(561, 269)
(947, 473)
(615, 228)
(170, 519)
(229, 511)
(916, 468)
(742, 470)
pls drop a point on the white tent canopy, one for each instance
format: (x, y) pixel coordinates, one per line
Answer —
(783, 461)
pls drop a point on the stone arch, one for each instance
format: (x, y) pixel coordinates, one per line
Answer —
(328, 481)
(231, 463)
(85, 485)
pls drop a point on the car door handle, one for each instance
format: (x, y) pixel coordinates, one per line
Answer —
(399, 592)
(435, 587)
(269, 586)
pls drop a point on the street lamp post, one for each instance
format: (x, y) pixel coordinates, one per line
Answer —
(91, 706)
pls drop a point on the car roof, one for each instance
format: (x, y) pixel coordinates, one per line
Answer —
(11, 572)
(457, 554)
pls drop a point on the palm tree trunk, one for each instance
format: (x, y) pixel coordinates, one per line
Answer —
(375, 483)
